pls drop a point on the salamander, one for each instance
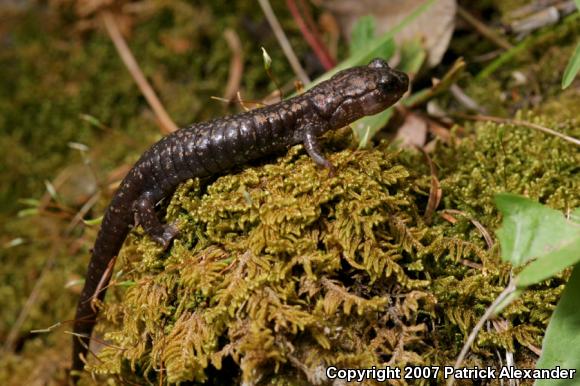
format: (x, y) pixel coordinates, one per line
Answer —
(213, 147)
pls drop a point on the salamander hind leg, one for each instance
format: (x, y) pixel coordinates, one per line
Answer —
(313, 149)
(145, 215)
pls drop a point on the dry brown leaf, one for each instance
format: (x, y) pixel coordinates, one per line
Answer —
(413, 132)
(435, 26)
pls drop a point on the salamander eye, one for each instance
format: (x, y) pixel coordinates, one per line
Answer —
(385, 87)
(378, 63)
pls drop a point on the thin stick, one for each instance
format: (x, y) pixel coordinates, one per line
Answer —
(473, 334)
(531, 125)
(483, 30)
(311, 37)
(167, 125)
(10, 341)
(82, 212)
(283, 41)
(477, 224)
(435, 191)
(236, 65)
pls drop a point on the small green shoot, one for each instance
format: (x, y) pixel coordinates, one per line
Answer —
(93, 222)
(267, 59)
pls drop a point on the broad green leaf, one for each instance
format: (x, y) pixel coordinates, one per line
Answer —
(531, 230)
(550, 264)
(572, 68)
(561, 346)
(363, 32)
(366, 128)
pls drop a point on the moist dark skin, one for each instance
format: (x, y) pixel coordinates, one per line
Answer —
(213, 147)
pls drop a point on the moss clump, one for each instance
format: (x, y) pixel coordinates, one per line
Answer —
(280, 270)
(510, 158)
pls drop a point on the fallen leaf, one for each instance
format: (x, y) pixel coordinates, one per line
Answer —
(435, 26)
(413, 131)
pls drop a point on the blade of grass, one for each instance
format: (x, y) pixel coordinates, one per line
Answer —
(572, 68)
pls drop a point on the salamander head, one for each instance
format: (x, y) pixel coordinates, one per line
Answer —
(359, 91)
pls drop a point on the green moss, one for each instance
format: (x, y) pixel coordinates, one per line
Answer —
(510, 158)
(280, 270)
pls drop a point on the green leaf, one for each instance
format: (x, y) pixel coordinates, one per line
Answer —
(531, 230)
(572, 68)
(577, 2)
(93, 222)
(27, 212)
(550, 264)
(362, 33)
(561, 346)
(267, 59)
(32, 202)
(366, 127)
(92, 120)
(413, 55)
(51, 190)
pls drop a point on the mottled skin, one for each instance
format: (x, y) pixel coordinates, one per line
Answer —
(213, 147)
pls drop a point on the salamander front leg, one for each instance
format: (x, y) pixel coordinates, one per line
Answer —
(145, 215)
(313, 149)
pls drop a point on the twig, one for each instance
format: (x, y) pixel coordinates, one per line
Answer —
(465, 100)
(82, 212)
(283, 41)
(473, 334)
(47, 329)
(311, 36)
(236, 65)
(520, 123)
(13, 333)
(477, 224)
(101, 285)
(482, 29)
(435, 191)
(167, 125)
